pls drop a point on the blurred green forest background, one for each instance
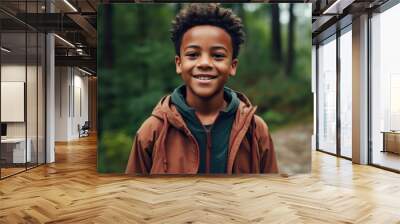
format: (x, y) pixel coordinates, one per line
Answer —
(136, 68)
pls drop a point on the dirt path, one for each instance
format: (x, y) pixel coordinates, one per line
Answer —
(293, 148)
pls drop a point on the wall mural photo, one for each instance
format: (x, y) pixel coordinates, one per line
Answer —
(204, 88)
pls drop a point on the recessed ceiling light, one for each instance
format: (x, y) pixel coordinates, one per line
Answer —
(70, 5)
(5, 50)
(337, 7)
(84, 71)
(64, 40)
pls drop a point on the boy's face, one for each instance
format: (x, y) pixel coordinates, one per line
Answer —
(205, 60)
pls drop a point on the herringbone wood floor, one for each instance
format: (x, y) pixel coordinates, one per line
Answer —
(71, 191)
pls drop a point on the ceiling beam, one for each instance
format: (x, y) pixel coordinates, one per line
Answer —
(83, 61)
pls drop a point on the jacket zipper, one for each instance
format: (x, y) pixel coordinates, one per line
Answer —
(208, 146)
(208, 151)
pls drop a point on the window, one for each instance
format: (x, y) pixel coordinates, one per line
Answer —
(346, 93)
(385, 89)
(327, 96)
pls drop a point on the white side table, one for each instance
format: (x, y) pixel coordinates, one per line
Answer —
(19, 155)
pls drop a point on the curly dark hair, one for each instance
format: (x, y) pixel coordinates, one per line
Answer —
(207, 14)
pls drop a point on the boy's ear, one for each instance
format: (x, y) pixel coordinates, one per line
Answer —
(178, 64)
(233, 67)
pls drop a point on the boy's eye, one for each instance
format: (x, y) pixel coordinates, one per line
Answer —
(219, 56)
(192, 54)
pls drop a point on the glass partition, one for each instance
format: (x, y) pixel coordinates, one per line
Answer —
(22, 87)
(14, 153)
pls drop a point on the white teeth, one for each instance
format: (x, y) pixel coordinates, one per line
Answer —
(204, 77)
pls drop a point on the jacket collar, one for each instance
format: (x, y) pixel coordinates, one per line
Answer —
(168, 113)
(165, 107)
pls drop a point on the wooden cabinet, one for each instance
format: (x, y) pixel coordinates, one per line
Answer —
(391, 142)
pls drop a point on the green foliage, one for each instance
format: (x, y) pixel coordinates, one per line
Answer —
(122, 144)
(143, 71)
(274, 118)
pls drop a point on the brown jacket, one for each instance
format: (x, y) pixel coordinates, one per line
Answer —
(164, 144)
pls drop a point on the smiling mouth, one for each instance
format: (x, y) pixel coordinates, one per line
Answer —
(204, 77)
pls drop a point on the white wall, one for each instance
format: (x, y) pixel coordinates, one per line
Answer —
(62, 81)
(33, 126)
(16, 73)
(71, 93)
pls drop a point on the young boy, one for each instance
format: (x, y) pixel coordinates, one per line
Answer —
(203, 126)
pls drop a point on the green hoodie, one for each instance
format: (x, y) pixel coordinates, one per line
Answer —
(218, 133)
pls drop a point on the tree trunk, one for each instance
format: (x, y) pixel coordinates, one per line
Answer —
(108, 51)
(291, 40)
(276, 33)
(178, 7)
(142, 26)
(239, 10)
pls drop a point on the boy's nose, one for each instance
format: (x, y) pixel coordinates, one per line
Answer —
(204, 62)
